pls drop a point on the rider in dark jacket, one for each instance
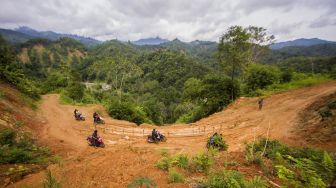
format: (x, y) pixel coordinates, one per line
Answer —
(95, 137)
(95, 117)
(75, 112)
(154, 135)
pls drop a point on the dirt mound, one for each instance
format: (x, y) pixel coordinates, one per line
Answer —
(316, 128)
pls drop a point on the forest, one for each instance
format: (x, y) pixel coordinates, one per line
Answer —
(174, 82)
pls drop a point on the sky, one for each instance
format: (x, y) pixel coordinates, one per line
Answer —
(186, 20)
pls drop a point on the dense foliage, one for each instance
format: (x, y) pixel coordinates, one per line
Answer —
(296, 167)
(16, 148)
(11, 72)
(163, 84)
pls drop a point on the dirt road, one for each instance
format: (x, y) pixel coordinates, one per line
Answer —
(127, 155)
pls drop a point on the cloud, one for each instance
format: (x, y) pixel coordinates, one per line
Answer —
(184, 19)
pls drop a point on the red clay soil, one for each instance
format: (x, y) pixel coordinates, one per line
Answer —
(126, 157)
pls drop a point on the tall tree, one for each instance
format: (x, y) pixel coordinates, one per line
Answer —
(234, 51)
(260, 42)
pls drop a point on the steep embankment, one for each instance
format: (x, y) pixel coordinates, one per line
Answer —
(127, 157)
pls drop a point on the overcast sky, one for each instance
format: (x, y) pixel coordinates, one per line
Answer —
(184, 19)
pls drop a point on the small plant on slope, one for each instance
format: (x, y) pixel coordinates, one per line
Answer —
(50, 181)
(142, 181)
(175, 177)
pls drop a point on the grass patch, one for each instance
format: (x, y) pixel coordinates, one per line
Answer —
(32, 103)
(2, 95)
(182, 161)
(50, 181)
(87, 99)
(164, 152)
(165, 163)
(175, 177)
(142, 181)
(232, 178)
(298, 82)
(202, 162)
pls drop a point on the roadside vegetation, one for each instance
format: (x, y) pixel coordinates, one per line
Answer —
(279, 164)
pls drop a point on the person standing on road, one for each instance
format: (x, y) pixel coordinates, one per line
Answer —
(261, 103)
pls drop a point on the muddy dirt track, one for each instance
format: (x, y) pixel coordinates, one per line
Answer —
(127, 155)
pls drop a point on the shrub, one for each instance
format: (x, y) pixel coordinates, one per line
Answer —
(332, 105)
(327, 173)
(286, 76)
(164, 152)
(224, 178)
(142, 181)
(50, 181)
(260, 76)
(218, 142)
(272, 147)
(127, 111)
(202, 162)
(7, 137)
(164, 164)
(303, 167)
(256, 182)
(253, 157)
(182, 161)
(75, 91)
(20, 150)
(175, 177)
(287, 177)
(325, 112)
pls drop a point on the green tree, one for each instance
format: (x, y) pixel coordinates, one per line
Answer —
(260, 42)
(234, 52)
(74, 89)
(260, 76)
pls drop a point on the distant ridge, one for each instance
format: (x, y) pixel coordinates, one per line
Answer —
(150, 41)
(24, 33)
(301, 42)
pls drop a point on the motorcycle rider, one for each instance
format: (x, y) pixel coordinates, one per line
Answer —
(75, 112)
(95, 117)
(95, 138)
(154, 135)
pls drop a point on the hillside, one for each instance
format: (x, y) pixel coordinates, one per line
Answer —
(276, 56)
(238, 123)
(23, 34)
(14, 37)
(300, 42)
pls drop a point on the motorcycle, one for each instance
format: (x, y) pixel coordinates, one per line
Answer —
(80, 117)
(161, 138)
(97, 143)
(99, 120)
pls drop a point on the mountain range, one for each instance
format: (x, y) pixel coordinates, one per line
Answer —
(300, 42)
(24, 33)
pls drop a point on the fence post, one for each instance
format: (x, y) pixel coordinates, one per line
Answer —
(123, 131)
(213, 129)
(143, 132)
